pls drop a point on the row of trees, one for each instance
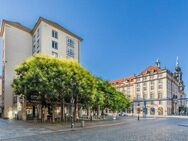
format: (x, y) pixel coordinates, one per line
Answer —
(52, 80)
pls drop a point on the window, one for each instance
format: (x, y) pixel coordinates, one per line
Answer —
(70, 52)
(38, 32)
(137, 89)
(38, 43)
(138, 85)
(54, 45)
(55, 54)
(145, 96)
(70, 42)
(151, 96)
(138, 96)
(152, 76)
(152, 87)
(33, 39)
(152, 83)
(160, 75)
(54, 34)
(33, 48)
(145, 78)
(145, 86)
(160, 81)
(159, 95)
(160, 86)
(138, 79)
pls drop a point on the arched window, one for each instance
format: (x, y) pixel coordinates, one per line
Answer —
(152, 111)
(160, 111)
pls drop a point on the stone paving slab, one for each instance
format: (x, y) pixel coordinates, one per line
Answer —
(156, 129)
(14, 129)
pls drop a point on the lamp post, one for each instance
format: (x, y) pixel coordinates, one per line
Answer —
(138, 111)
(72, 104)
(72, 119)
(144, 108)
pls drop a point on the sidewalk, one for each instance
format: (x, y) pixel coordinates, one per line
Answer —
(66, 126)
(172, 116)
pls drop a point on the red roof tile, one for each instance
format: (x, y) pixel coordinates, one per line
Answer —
(150, 69)
(120, 81)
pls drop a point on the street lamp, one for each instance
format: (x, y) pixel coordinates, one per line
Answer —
(138, 110)
(72, 120)
(72, 104)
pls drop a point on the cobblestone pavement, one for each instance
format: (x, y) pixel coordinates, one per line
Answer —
(153, 129)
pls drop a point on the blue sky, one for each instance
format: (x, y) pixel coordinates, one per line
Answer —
(121, 37)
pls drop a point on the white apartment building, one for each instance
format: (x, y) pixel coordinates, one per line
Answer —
(20, 42)
(154, 91)
(1, 103)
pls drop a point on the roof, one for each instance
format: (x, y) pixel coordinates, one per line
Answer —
(14, 24)
(149, 69)
(56, 25)
(121, 80)
(31, 31)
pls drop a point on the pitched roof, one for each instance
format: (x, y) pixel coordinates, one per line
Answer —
(56, 25)
(24, 28)
(14, 24)
(150, 69)
(120, 81)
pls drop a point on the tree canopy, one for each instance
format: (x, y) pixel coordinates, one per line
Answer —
(49, 79)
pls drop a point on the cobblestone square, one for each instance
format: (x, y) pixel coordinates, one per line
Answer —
(150, 129)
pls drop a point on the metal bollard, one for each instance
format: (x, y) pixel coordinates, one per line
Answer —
(82, 123)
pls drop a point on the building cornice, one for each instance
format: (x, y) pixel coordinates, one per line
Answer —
(31, 31)
(54, 25)
(14, 24)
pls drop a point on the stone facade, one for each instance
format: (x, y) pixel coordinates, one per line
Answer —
(154, 91)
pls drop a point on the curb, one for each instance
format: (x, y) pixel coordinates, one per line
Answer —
(90, 127)
(184, 125)
(69, 129)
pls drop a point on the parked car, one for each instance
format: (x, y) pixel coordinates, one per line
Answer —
(122, 114)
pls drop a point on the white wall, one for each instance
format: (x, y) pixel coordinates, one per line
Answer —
(46, 41)
(18, 47)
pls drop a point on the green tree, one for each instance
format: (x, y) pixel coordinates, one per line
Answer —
(108, 97)
(51, 79)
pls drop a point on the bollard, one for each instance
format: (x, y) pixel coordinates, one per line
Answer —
(82, 123)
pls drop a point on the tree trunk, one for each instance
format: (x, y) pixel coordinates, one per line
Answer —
(88, 112)
(62, 110)
(53, 114)
(42, 114)
(98, 111)
(76, 109)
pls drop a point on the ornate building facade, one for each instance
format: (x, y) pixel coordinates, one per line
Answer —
(154, 91)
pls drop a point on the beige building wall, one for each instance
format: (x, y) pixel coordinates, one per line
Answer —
(158, 86)
(17, 47)
(45, 39)
(1, 101)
